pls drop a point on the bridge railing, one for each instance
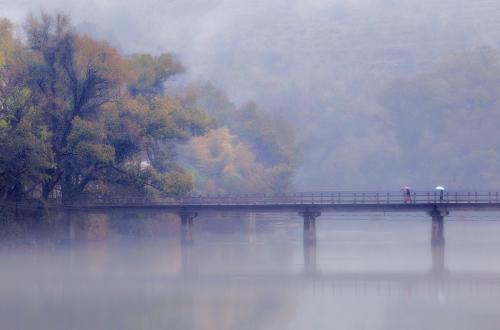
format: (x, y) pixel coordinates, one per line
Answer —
(425, 197)
(306, 198)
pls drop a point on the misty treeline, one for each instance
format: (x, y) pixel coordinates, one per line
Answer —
(436, 125)
(447, 119)
(79, 118)
(440, 125)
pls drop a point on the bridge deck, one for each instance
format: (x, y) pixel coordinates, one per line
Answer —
(325, 201)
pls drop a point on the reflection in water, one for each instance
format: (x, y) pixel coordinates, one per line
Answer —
(309, 233)
(310, 256)
(437, 242)
(358, 275)
(438, 262)
(187, 241)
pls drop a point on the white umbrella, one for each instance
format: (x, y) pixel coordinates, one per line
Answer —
(439, 188)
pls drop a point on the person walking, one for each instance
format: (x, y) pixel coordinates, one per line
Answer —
(441, 193)
(406, 194)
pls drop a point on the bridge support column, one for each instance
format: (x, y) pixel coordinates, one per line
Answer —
(187, 239)
(309, 217)
(437, 240)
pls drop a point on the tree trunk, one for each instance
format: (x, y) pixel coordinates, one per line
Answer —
(46, 190)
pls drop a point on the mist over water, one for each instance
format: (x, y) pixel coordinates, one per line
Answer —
(372, 272)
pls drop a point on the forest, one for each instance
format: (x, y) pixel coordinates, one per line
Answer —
(80, 118)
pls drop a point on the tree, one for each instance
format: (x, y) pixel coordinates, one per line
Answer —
(78, 118)
(85, 119)
(152, 72)
(25, 152)
(247, 137)
(72, 77)
(222, 164)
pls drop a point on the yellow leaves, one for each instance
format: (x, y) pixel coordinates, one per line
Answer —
(160, 122)
(7, 41)
(177, 183)
(225, 164)
(3, 124)
(11, 50)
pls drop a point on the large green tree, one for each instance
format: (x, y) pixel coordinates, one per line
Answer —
(24, 141)
(78, 117)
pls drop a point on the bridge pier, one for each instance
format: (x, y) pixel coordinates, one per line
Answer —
(437, 233)
(187, 239)
(309, 234)
(437, 240)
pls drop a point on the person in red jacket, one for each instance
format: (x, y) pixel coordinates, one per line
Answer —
(407, 194)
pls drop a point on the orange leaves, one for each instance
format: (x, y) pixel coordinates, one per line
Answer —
(6, 40)
(100, 59)
(225, 164)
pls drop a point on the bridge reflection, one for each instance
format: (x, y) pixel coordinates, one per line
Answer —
(309, 216)
(435, 281)
(437, 277)
(187, 240)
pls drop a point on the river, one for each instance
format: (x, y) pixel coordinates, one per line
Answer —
(368, 271)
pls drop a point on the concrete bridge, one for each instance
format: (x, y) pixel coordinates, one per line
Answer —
(309, 206)
(327, 201)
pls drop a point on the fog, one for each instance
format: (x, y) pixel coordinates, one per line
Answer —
(378, 94)
(321, 64)
(373, 271)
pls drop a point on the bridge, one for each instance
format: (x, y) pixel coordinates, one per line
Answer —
(308, 205)
(327, 201)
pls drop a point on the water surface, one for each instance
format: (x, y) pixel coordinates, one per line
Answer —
(371, 271)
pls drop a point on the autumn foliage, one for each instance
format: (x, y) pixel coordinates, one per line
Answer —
(78, 118)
